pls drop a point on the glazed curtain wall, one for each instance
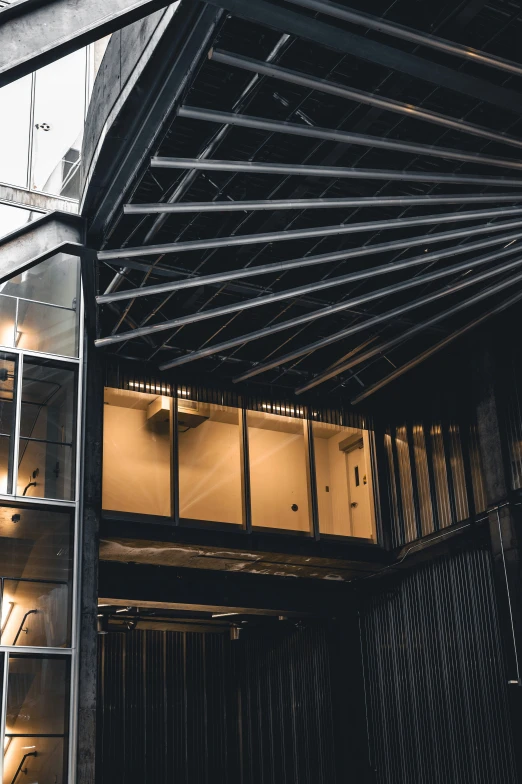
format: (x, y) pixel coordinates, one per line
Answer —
(435, 679)
(196, 708)
(434, 476)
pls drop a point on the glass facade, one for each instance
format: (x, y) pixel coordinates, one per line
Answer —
(40, 382)
(203, 462)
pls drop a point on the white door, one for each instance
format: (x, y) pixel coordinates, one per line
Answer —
(358, 490)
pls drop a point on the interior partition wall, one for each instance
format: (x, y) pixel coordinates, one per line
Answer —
(41, 369)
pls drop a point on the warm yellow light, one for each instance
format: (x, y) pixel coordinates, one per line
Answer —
(7, 743)
(7, 334)
(7, 609)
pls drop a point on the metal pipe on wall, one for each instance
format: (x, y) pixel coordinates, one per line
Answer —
(339, 172)
(352, 94)
(344, 137)
(315, 204)
(274, 328)
(400, 371)
(300, 234)
(408, 34)
(301, 291)
(308, 261)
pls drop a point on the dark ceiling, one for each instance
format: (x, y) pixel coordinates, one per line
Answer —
(490, 26)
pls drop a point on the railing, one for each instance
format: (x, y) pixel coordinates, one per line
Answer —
(21, 765)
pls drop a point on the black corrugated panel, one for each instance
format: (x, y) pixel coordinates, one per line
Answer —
(280, 705)
(435, 679)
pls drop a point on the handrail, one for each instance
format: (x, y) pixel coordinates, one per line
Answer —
(19, 769)
(20, 628)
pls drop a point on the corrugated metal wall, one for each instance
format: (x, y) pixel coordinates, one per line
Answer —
(435, 678)
(434, 476)
(193, 708)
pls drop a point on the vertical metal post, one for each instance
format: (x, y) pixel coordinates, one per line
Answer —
(414, 482)
(245, 470)
(3, 714)
(466, 462)
(378, 465)
(18, 415)
(174, 458)
(426, 426)
(444, 428)
(398, 489)
(311, 479)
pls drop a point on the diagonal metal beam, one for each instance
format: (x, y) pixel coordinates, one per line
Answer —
(308, 261)
(360, 96)
(408, 34)
(400, 371)
(345, 137)
(32, 35)
(316, 204)
(299, 234)
(367, 324)
(339, 172)
(312, 288)
(334, 37)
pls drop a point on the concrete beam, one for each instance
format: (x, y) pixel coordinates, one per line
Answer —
(33, 34)
(39, 240)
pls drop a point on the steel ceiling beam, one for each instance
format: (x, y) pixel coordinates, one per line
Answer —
(360, 96)
(311, 288)
(408, 34)
(283, 325)
(32, 36)
(400, 371)
(299, 234)
(339, 172)
(345, 137)
(315, 204)
(308, 261)
(331, 36)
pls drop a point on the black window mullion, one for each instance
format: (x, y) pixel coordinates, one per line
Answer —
(174, 461)
(466, 461)
(312, 489)
(245, 472)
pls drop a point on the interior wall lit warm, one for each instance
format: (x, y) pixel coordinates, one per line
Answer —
(225, 466)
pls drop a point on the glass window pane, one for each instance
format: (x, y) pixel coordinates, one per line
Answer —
(59, 111)
(408, 508)
(46, 328)
(13, 218)
(423, 479)
(55, 281)
(35, 544)
(43, 759)
(7, 320)
(137, 452)
(209, 456)
(441, 477)
(46, 460)
(35, 613)
(278, 471)
(15, 108)
(8, 366)
(457, 472)
(343, 479)
(36, 718)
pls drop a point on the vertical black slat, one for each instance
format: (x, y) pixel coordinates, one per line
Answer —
(415, 486)
(311, 480)
(465, 440)
(245, 472)
(380, 497)
(449, 474)
(10, 465)
(431, 474)
(174, 469)
(401, 533)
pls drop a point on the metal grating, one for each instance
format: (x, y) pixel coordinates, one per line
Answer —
(435, 678)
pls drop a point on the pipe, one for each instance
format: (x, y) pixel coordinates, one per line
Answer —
(300, 234)
(408, 34)
(400, 371)
(272, 329)
(339, 255)
(301, 291)
(345, 137)
(339, 172)
(352, 94)
(314, 204)
(382, 348)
